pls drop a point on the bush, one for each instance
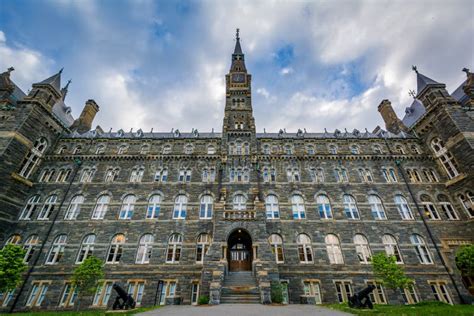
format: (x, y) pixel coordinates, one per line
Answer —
(203, 299)
(465, 260)
(276, 292)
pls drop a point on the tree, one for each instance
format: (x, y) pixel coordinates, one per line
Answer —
(87, 275)
(465, 260)
(390, 274)
(11, 267)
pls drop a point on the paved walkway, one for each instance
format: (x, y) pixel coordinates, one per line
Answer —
(244, 310)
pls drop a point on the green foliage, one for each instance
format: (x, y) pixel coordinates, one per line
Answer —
(203, 299)
(390, 274)
(419, 309)
(87, 275)
(276, 292)
(465, 260)
(11, 267)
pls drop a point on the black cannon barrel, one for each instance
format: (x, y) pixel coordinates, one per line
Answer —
(366, 291)
(120, 291)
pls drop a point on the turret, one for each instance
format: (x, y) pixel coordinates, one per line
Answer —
(48, 91)
(84, 123)
(429, 91)
(392, 123)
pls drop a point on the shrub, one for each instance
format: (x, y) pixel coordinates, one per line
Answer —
(389, 272)
(276, 292)
(203, 299)
(465, 260)
(11, 267)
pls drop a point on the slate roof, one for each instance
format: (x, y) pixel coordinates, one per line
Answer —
(54, 81)
(413, 113)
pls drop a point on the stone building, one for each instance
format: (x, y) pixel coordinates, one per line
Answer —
(174, 215)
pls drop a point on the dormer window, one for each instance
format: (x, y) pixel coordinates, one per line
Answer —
(120, 133)
(177, 133)
(139, 133)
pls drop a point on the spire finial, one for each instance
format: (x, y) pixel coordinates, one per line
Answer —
(414, 68)
(10, 70)
(67, 84)
(466, 70)
(61, 70)
(237, 34)
(412, 93)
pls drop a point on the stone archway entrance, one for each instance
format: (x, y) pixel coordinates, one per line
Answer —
(239, 250)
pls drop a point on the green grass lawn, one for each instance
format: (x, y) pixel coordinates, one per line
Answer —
(83, 313)
(420, 309)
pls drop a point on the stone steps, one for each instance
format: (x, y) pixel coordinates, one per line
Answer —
(240, 288)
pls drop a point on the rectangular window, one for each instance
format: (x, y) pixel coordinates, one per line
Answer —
(194, 293)
(6, 298)
(312, 289)
(440, 291)
(449, 211)
(68, 296)
(135, 289)
(344, 290)
(377, 296)
(167, 291)
(409, 295)
(37, 293)
(431, 211)
(102, 294)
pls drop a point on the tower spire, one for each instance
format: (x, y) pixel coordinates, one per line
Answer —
(237, 49)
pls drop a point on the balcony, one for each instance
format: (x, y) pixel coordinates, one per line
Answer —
(234, 215)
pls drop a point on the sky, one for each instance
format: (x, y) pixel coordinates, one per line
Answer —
(162, 64)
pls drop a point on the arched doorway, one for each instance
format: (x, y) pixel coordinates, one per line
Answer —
(239, 251)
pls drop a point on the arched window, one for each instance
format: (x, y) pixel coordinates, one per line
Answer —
(116, 249)
(211, 150)
(57, 249)
(128, 205)
(74, 207)
(100, 150)
(144, 149)
(376, 207)
(205, 210)
(414, 175)
(350, 207)
(30, 247)
(305, 251)
(112, 174)
(467, 201)
(391, 247)
(430, 210)
(288, 150)
(31, 207)
(14, 239)
(33, 158)
(202, 246)
(445, 157)
(276, 243)
(154, 204)
(63, 175)
(145, 247)
(48, 207)
(122, 149)
(87, 248)
(365, 175)
(310, 150)
(324, 206)
(184, 175)
(341, 175)
(188, 149)
(403, 207)
(77, 150)
(266, 149)
(421, 250)
(355, 150)
(208, 175)
(333, 149)
(297, 207)
(362, 248)
(239, 202)
(334, 249)
(87, 175)
(389, 174)
(180, 204)
(166, 149)
(317, 175)
(161, 175)
(377, 149)
(101, 207)
(173, 253)
(137, 174)
(293, 174)
(271, 207)
(447, 207)
(414, 149)
(399, 149)
(61, 150)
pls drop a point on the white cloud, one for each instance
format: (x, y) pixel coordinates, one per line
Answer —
(286, 71)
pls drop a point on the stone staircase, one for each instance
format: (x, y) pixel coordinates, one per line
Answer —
(240, 288)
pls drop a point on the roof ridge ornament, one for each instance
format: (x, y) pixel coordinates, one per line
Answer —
(414, 68)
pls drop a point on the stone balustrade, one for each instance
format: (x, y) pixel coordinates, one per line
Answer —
(236, 215)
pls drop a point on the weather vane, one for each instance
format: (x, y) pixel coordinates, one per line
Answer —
(412, 93)
(414, 68)
(237, 34)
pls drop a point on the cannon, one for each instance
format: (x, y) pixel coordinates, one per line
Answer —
(362, 299)
(123, 300)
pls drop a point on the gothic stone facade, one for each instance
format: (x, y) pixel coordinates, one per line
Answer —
(310, 208)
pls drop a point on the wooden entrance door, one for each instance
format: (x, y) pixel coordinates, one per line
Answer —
(240, 258)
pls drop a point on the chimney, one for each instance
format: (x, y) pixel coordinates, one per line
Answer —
(392, 123)
(84, 123)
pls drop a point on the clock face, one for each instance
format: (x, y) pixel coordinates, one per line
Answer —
(238, 78)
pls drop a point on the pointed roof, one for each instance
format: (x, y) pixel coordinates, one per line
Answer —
(237, 49)
(64, 90)
(423, 81)
(54, 81)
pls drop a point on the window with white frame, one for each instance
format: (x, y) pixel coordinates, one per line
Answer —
(184, 175)
(430, 209)
(180, 205)
(276, 244)
(310, 150)
(447, 207)
(87, 175)
(391, 247)
(377, 296)
(414, 149)
(33, 158)
(202, 246)
(63, 175)
(440, 291)
(266, 149)
(377, 149)
(297, 207)
(128, 205)
(144, 149)
(211, 150)
(389, 175)
(102, 294)
(101, 207)
(173, 253)
(188, 149)
(341, 175)
(194, 292)
(350, 207)
(74, 207)
(31, 207)
(137, 174)
(122, 149)
(166, 149)
(312, 288)
(293, 174)
(46, 175)
(430, 175)
(48, 207)
(467, 201)
(324, 206)
(145, 247)
(87, 248)
(403, 207)
(14, 239)
(399, 150)
(37, 293)
(362, 248)
(421, 249)
(333, 149)
(343, 290)
(445, 158)
(161, 175)
(116, 249)
(6, 298)
(413, 175)
(100, 149)
(239, 175)
(305, 251)
(317, 175)
(333, 249)
(61, 150)
(409, 294)
(288, 150)
(30, 247)
(269, 174)
(355, 150)
(239, 202)
(153, 208)
(57, 249)
(365, 175)
(208, 175)
(111, 174)
(77, 150)
(205, 209)
(68, 296)
(376, 207)
(168, 290)
(135, 289)
(271, 207)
